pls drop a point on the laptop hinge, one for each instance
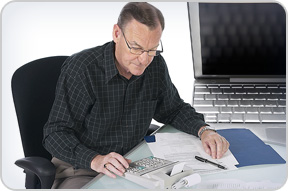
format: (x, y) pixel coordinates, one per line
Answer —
(268, 80)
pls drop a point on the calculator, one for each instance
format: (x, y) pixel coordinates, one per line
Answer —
(146, 165)
(153, 173)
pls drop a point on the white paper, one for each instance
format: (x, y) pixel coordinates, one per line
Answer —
(183, 147)
(177, 168)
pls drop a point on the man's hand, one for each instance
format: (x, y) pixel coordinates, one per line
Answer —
(110, 164)
(214, 144)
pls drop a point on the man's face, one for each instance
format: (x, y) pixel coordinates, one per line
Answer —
(138, 36)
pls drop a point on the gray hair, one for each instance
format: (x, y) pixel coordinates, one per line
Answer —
(142, 12)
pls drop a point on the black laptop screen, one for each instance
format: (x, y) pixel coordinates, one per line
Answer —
(243, 38)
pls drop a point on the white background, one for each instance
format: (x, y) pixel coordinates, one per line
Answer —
(32, 30)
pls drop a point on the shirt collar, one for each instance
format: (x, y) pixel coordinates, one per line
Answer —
(110, 66)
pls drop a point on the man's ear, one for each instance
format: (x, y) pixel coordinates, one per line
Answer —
(116, 33)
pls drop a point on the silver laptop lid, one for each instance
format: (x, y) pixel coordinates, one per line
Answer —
(238, 41)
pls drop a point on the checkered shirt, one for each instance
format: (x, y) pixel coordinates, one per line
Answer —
(97, 111)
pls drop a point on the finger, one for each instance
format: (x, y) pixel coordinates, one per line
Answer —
(224, 145)
(206, 148)
(108, 173)
(128, 160)
(212, 148)
(116, 164)
(113, 169)
(227, 146)
(219, 145)
(121, 159)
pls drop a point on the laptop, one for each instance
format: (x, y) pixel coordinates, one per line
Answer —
(239, 60)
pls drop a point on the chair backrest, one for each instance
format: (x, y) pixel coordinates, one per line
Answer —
(33, 89)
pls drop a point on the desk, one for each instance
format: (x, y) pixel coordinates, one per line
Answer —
(276, 173)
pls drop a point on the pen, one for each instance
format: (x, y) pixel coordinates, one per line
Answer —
(210, 162)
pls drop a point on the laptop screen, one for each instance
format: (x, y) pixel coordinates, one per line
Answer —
(238, 39)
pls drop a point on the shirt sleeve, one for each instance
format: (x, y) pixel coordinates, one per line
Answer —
(71, 104)
(171, 109)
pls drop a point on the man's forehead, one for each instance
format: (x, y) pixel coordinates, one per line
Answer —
(139, 33)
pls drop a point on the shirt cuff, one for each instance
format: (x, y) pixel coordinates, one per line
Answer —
(84, 157)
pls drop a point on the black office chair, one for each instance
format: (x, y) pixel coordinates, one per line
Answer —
(33, 89)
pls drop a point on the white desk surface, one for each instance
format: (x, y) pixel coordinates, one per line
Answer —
(276, 173)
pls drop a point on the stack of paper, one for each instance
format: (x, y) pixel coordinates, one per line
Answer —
(183, 147)
(245, 149)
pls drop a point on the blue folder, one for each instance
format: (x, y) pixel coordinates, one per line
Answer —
(249, 149)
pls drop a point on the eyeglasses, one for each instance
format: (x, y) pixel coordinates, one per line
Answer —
(139, 51)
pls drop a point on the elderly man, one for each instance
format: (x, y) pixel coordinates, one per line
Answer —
(106, 97)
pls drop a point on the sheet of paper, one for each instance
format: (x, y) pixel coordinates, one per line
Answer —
(183, 147)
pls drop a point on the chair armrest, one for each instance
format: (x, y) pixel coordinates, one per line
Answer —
(39, 166)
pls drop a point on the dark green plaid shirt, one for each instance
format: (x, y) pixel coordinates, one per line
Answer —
(97, 111)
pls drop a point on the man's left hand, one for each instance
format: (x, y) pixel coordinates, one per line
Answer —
(214, 144)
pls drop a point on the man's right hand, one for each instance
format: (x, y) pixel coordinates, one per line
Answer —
(110, 164)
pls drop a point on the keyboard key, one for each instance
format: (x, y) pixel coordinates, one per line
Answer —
(239, 110)
(248, 86)
(264, 91)
(212, 86)
(225, 86)
(210, 97)
(198, 97)
(237, 118)
(222, 97)
(278, 110)
(207, 109)
(252, 110)
(226, 110)
(260, 86)
(283, 91)
(210, 119)
(240, 91)
(258, 103)
(274, 86)
(261, 97)
(251, 90)
(224, 117)
(248, 97)
(216, 91)
(281, 103)
(270, 103)
(265, 110)
(245, 103)
(228, 91)
(233, 103)
(202, 91)
(272, 97)
(237, 86)
(202, 103)
(273, 118)
(210, 115)
(252, 118)
(220, 103)
(236, 97)
(277, 91)
(282, 97)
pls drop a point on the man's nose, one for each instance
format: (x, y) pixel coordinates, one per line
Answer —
(144, 58)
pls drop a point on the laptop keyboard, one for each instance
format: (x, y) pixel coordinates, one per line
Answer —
(234, 103)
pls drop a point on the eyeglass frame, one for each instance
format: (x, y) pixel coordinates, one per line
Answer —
(142, 50)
